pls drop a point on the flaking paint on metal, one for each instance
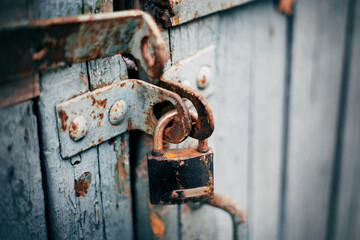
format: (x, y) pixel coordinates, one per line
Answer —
(95, 107)
(57, 42)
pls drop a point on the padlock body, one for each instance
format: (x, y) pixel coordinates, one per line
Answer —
(181, 176)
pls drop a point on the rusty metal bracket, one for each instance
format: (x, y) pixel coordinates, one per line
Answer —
(44, 44)
(195, 72)
(97, 116)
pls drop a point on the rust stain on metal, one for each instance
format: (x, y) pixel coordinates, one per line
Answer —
(82, 185)
(57, 42)
(98, 102)
(285, 6)
(63, 119)
(129, 126)
(157, 225)
(204, 121)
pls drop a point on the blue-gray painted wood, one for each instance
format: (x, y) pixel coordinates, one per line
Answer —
(347, 220)
(319, 31)
(22, 204)
(113, 158)
(252, 65)
(198, 222)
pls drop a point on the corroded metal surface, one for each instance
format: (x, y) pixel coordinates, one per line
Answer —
(43, 44)
(95, 107)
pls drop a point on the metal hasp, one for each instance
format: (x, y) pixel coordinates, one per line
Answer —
(175, 12)
(39, 45)
(179, 175)
(97, 116)
(50, 43)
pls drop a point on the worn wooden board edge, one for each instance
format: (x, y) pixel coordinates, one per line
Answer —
(347, 207)
(22, 203)
(316, 67)
(19, 90)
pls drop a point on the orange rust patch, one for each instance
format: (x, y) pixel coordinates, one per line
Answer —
(129, 127)
(63, 119)
(99, 102)
(157, 225)
(83, 184)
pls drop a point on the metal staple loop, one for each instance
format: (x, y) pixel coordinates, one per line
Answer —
(160, 128)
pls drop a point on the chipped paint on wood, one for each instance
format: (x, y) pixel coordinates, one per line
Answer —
(122, 170)
(82, 185)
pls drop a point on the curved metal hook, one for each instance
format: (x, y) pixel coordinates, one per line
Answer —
(204, 124)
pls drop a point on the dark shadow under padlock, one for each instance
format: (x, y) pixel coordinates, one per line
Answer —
(180, 175)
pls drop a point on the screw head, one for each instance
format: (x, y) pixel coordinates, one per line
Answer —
(78, 128)
(117, 112)
(204, 77)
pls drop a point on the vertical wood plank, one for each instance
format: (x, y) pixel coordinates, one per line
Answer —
(70, 216)
(318, 45)
(348, 208)
(22, 199)
(251, 80)
(198, 222)
(113, 156)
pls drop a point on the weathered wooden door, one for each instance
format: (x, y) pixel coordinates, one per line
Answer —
(285, 90)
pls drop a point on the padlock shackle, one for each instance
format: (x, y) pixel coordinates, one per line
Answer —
(158, 149)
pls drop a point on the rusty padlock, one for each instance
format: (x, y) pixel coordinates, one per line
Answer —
(180, 175)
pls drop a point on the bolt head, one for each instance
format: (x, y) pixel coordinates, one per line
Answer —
(118, 112)
(78, 128)
(204, 77)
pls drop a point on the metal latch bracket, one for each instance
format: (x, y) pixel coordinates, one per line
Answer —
(94, 117)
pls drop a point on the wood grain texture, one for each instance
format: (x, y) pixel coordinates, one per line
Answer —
(114, 165)
(113, 158)
(252, 65)
(70, 216)
(198, 222)
(22, 199)
(348, 208)
(318, 45)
